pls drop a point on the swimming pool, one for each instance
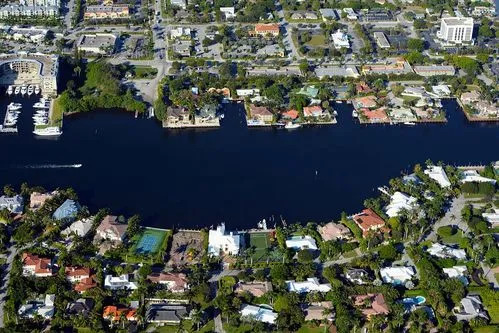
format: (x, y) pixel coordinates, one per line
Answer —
(410, 301)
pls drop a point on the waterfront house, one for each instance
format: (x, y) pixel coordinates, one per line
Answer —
(167, 313)
(178, 116)
(399, 202)
(67, 211)
(492, 217)
(14, 204)
(457, 272)
(37, 200)
(81, 307)
(402, 114)
(265, 30)
(470, 308)
(301, 242)
(445, 251)
(357, 276)
(207, 115)
(312, 111)
(397, 275)
(76, 274)
(34, 265)
(470, 97)
(255, 288)
(319, 311)
(371, 305)
(368, 220)
(441, 90)
(362, 88)
(262, 313)
(115, 313)
(221, 242)
(334, 231)
(437, 173)
(311, 284)
(290, 114)
(79, 228)
(260, 113)
(111, 229)
(367, 102)
(375, 116)
(309, 91)
(119, 282)
(175, 282)
(43, 308)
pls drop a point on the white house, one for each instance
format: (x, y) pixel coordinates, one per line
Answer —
(492, 218)
(441, 90)
(178, 3)
(220, 241)
(79, 228)
(444, 251)
(468, 176)
(398, 202)
(247, 92)
(119, 282)
(13, 204)
(180, 32)
(438, 174)
(228, 12)
(340, 40)
(301, 242)
(261, 313)
(397, 274)
(312, 284)
(471, 307)
(43, 308)
(457, 272)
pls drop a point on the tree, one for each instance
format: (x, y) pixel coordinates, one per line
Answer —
(279, 273)
(8, 190)
(388, 252)
(133, 226)
(305, 256)
(415, 44)
(485, 30)
(414, 57)
(304, 67)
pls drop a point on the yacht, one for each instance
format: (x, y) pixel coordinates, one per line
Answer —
(14, 106)
(355, 114)
(290, 125)
(17, 90)
(23, 90)
(41, 113)
(409, 123)
(42, 104)
(37, 89)
(10, 90)
(30, 90)
(48, 131)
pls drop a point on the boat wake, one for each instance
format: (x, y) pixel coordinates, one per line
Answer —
(52, 166)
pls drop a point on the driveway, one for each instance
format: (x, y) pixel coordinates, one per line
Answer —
(451, 217)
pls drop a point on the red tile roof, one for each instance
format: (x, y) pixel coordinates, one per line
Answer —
(378, 114)
(267, 28)
(179, 279)
(42, 265)
(368, 220)
(114, 313)
(293, 114)
(77, 271)
(86, 284)
(311, 110)
(259, 110)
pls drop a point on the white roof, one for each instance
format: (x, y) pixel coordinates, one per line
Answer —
(438, 174)
(80, 227)
(258, 313)
(455, 271)
(301, 242)
(119, 282)
(312, 284)
(398, 202)
(397, 275)
(340, 39)
(473, 176)
(444, 251)
(492, 218)
(219, 241)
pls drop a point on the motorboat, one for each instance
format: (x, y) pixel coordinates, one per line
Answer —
(10, 90)
(42, 104)
(30, 90)
(355, 114)
(17, 90)
(290, 125)
(23, 90)
(41, 113)
(37, 89)
(14, 106)
(409, 123)
(48, 131)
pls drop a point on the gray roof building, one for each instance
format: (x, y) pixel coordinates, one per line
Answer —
(13, 204)
(164, 313)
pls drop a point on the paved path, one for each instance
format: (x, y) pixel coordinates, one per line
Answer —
(451, 217)
(226, 272)
(5, 280)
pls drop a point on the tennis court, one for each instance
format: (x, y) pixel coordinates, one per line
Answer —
(150, 241)
(260, 242)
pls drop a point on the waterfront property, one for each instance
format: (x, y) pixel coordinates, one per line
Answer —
(301, 242)
(220, 242)
(186, 248)
(150, 241)
(14, 204)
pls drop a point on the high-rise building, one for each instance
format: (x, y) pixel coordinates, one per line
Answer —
(456, 29)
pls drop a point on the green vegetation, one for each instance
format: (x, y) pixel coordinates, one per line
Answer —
(57, 113)
(144, 72)
(149, 244)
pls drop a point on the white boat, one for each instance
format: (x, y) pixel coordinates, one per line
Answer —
(17, 90)
(23, 90)
(14, 106)
(290, 125)
(37, 90)
(409, 123)
(10, 90)
(355, 114)
(42, 104)
(48, 131)
(30, 90)
(41, 113)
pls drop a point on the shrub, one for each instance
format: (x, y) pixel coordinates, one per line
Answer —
(447, 231)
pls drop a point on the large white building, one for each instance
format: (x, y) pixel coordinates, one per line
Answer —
(301, 242)
(261, 313)
(312, 284)
(119, 282)
(397, 274)
(437, 173)
(456, 29)
(398, 202)
(340, 40)
(219, 241)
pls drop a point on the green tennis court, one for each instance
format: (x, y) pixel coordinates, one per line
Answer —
(150, 241)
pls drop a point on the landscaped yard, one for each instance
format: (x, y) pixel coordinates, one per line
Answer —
(317, 41)
(144, 72)
(57, 113)
(186, 326)
(451, 239)
(311, 328)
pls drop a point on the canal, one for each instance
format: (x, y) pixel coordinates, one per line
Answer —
(196, 178)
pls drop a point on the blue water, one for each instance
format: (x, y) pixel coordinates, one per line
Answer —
(234, 174)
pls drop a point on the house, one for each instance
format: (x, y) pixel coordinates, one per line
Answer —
(80, 307)
(255, 288)
(79, 228)
(334, 231)
(397, 275)
(182, 48)
(264, 30)
(178, 115)
(366, 102)
(444, 251)
(37, 200)
(34, 265)
(167, 313)
(362, 88)
(371, 304)
(85, 284)
(111, 229)
(312, 111)
(468, 176)
(470, 308)
(219, 241)
(179, 3)
(457, 272)
(438, 174)
(319, 311)
(262, 313)
(76, 274)
(180, 32)
(14, 204)
(434, 70)
(290, 114)
(260, 113)
(357, 276)
(312, 284)
(114, 313)
(309, 91)
(67, 211)
(492, 218)
(247, 92)
(368, 220)
(43, 308)
(228, 12)
(301, 242)
(175, 282)
(119, 282)
(328, 14)
(336, 71)
(398, 202)
(340, 40)
(378, 115)
(441, 90)
(470, 97)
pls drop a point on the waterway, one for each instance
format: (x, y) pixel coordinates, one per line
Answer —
(196, 178)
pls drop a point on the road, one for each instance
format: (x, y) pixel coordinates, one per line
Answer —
(5, 279)
(286, 32)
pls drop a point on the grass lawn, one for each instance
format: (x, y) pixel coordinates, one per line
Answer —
(487, 329)
(148, 243)
(243, 328)
(454, 239)
(144, 72)
(186, 326)
(261, 242)
(415, 292)
(317, 41)
(350, 254)
(490, 300)
(57, 114)
(311, 328)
